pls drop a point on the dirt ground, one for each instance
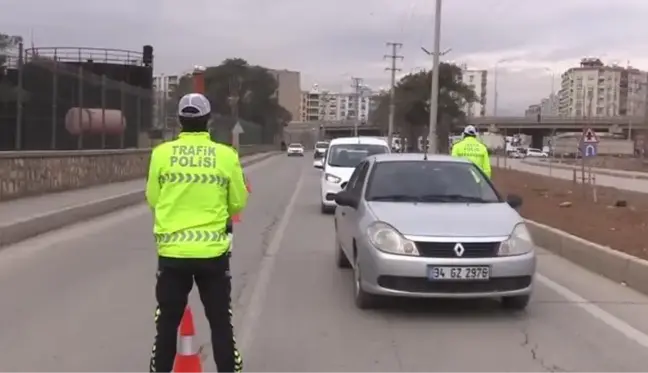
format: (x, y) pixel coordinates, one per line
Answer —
(621, 228)
(615, 163)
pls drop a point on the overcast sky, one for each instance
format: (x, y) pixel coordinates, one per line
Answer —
(330, 41)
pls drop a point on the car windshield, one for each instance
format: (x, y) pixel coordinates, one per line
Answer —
(294, 146)
(350, 155)
(429, 181)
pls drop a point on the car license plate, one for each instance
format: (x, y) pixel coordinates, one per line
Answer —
(474, 273)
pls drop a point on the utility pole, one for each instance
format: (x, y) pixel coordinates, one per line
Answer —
(434, 100)
(233, 100)
(392, 92)
(357, 87)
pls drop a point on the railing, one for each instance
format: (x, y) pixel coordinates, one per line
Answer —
(52, 99)
(556, 120)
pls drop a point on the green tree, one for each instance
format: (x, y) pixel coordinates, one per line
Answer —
(8, 44)
(255, 88)
(412, 100)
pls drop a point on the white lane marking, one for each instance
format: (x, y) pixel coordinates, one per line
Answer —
(252, 313)
(607, 318)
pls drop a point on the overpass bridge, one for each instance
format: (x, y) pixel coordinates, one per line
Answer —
(558, 123)
(303, 131)
(537, 128)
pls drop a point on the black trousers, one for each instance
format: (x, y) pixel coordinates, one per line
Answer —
(174, 283)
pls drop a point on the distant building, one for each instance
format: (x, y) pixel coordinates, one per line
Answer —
(533, 111)
(289, 91)
(598, 90)
(164, 88)
(324, 105)
(478, 81)
(166, 84)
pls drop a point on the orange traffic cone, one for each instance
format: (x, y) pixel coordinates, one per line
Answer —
(187, 360)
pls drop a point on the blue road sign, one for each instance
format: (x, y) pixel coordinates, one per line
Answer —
(589, 149)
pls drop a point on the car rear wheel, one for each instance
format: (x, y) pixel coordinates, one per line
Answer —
(516, 303)
(363, 300)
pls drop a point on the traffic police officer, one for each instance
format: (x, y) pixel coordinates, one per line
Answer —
(194, 187)
(471, 148)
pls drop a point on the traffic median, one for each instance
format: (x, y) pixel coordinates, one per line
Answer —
(28, 217)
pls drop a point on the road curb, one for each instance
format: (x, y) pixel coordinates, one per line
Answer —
(49, 221)
(615, 265)
(597, 172)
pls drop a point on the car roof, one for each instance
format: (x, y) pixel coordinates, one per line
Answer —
(364, 140)
(402, 157)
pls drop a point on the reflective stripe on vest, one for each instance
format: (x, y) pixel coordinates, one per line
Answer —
(184, 177)
(190, 236)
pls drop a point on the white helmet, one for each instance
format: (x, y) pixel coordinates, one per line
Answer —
(470, 130)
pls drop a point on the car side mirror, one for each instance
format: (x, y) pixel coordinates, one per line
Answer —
(345, 198)
(514, 201)
(319, 165)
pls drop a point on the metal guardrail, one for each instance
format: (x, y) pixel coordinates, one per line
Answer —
(544, 120)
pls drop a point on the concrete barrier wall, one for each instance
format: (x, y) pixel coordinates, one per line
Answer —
(28, 173)
(615, 265)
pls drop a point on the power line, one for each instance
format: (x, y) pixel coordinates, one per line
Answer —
(357, 87)
(394, 57)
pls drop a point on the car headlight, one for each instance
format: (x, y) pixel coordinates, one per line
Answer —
(332, 178)
(386, 238)
(518, 243)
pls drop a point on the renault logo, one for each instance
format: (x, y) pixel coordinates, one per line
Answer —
(459, 249)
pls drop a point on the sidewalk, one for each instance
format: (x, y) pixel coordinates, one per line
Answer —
(26, 217)
(600, 171)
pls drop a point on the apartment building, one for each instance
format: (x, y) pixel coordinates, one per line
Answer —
(477, 80)
(289, 94)
(548, 107)
(598, 90)
(320, 104)
(164, 87)
(166, 84)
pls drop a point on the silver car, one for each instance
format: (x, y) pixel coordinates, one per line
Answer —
(433, 228)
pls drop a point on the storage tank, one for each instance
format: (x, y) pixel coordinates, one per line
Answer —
(90, 121)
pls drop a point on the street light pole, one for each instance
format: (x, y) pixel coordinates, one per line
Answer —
(434, 94)
(496, 91)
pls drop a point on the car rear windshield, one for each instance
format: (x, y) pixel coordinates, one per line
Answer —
(350, 155)
(295, 146)
(321, 145)
(429, 181)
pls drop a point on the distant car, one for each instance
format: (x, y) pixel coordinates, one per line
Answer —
(342, 156)
(434, 228)
(516, 154)
(320, 149)
(295, 150)
(536, 153)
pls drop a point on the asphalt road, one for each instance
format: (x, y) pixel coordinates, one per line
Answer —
(635, 185)
(81, 299)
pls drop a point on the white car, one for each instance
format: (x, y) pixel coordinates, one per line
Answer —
(295, 150)
(536, 153)
(320, 148)
(318, 163)
(343, 155)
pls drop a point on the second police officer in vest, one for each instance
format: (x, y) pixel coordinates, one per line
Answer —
(471, 148)
(194, 187)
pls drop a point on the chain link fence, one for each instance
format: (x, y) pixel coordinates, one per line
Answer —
(73, 98)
